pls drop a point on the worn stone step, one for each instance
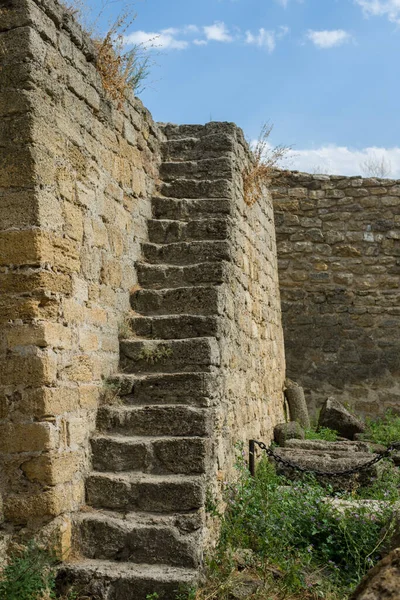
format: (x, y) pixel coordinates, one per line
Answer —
(173, 131)
(167, 276)
(206, 168)
(186, 253)
(325, 460)
(211, 145)
(195, 300)
(149, 356)
(328, 461)
(144, 492)
(197, 188)
(168, 420)
(166, 231)
(174, 327)
(197, 389)
(139, 538)
(106, 580)
(324, 446)
(190, 209)
(180, 455)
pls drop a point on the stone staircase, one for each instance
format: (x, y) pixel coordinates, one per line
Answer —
(143, 530)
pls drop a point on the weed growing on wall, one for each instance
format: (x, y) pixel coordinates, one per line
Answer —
(120, 69)
(265, 159)
(297, 543)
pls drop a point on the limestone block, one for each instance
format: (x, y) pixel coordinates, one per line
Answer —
(27, 437)
(31, 369)
(53, 468)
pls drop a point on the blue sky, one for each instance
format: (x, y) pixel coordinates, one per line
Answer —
(325, 72)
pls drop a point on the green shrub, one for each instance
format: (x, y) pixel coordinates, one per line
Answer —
(29, 575)
(383, 430)
(292, 527)
(322, 433)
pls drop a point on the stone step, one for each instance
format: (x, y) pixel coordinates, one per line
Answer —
(166, 276)
(166, 231)
(197, 188)
(174, 327)
(108, 580)
(167, 420)
(195, 300)
(324, 460)
(190, 209)
(144, 492)
(173, 131)
(197, 389)
(324, 446)
(191, 148)
(206, 168)
(165, 356)
(328, 461)
(139, 538)
(186, 253)
(180, 455)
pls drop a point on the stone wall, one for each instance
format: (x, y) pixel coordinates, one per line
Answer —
(76, 177)
(252, 348)
(339, 266)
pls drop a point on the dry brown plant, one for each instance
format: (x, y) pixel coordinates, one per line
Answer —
(265, 159)
(121, 70)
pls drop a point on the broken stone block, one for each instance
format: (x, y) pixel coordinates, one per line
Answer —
(382, 582)
(335, 416)
(297, 403)
(288, 431)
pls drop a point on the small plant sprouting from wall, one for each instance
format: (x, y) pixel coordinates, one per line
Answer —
(110, 393)
(265, 159)
(154, 355)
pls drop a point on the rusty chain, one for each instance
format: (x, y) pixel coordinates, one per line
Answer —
(270, 452)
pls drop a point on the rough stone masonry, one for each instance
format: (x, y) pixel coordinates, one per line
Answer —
(339, 272)
(134, 279)
(140, 313)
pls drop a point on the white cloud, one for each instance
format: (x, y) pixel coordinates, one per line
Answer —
(328, 38)
(266, 39)
(341, 160)
(200, 42)
(218, 32)
(263, 39)
(164, 39)
(380, 8)
(191, 29)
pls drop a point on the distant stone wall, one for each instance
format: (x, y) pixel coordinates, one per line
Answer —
(339, 271)
(76, 177)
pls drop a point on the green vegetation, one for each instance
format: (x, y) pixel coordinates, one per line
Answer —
(153, 355)
(298, 544)
(383, 430)
(322, 433)
(30, 575)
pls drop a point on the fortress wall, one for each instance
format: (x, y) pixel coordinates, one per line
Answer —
(76, 178)
(339, 271)
(252, 348)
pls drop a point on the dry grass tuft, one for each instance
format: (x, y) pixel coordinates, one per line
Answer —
(121, 70)
(265, 160)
